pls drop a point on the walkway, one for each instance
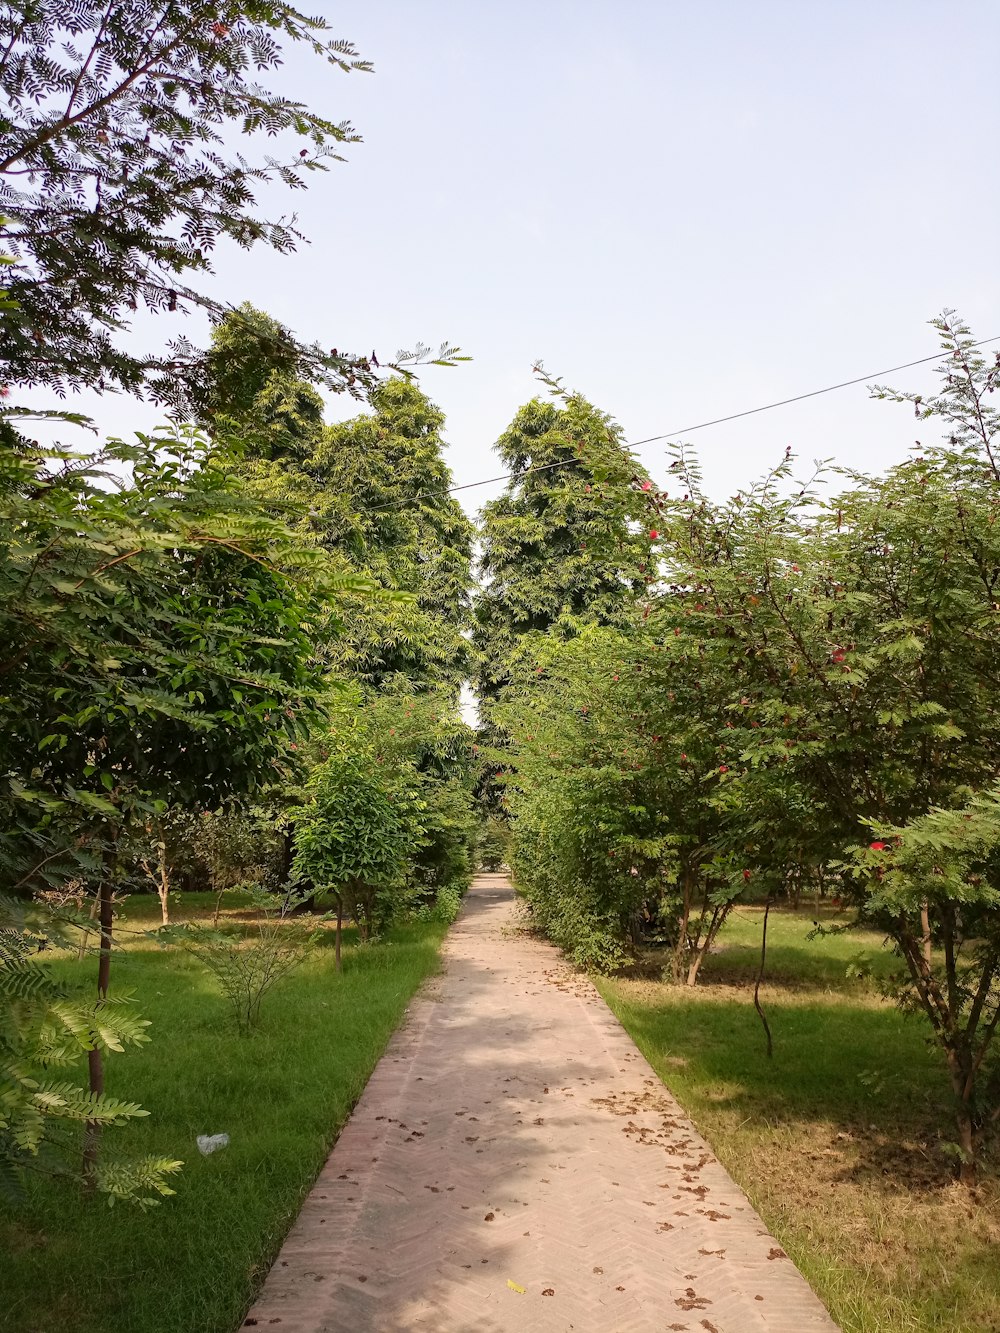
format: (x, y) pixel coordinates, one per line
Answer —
(514, 1164)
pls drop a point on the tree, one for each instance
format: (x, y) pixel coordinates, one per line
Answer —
(375, 493)
(351, 839)
(814, 686)
(156, 655)
(117, 183)
(617, 794)
(372, 494)
(566, 544)
(256, 389)
(420, 734)
(384, 503)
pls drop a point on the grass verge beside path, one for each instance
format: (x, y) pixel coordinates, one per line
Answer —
(192, 1264)
(838, 1139)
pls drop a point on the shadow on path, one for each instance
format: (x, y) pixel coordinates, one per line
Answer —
(514, 1164)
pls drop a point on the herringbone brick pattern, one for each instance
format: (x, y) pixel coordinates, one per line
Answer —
(513, 1137)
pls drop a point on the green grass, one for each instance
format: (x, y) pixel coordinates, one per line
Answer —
(838, 1139)
(194, 1263)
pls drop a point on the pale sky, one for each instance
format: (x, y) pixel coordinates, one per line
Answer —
(685, 210)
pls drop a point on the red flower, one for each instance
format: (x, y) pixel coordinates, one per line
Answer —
(220, 29)
(647, 485)
(746, 877)
(653, 534)
(723, 768)
(877, 846)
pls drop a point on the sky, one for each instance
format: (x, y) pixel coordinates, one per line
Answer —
(685, 210)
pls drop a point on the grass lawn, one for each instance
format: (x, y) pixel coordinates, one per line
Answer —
(838, 1139)
(192, 1264)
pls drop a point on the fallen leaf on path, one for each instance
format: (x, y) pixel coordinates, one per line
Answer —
(514, 1287)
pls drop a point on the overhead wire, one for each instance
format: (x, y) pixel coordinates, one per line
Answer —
(689, 430)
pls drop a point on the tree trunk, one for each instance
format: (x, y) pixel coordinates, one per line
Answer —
(706, 938)
(81, 953)
(795, 890)
(680, 949)
(340, 923)
(163, 884)
(287, 853)
(95, 1058)
(925, 927)
(760, 977)
(968, 1171)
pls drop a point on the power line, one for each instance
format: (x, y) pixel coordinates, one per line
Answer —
(815, 393)
(688, 430)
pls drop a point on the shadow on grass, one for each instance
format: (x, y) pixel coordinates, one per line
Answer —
(806, 951)
(861, 1079)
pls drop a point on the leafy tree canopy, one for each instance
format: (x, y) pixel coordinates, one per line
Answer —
(118, 179)
(568, 541)
(373, 491)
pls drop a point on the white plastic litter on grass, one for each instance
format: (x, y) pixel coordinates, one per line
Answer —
(208, 1143)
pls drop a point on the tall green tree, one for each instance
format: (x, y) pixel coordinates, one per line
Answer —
(258, 391)
(374, 492)
(567, 544)
(385, 505)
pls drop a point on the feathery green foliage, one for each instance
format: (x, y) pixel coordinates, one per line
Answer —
(810, 669)
(43, 1029)
(117, 183)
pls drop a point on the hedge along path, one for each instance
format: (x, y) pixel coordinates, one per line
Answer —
(515, 1164)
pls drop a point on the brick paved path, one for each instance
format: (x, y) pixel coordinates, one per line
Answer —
(513, 1134)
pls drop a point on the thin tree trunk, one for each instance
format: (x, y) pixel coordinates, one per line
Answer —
(340, 923)
(968, 1172)
(163, 886)
(682, 930)
(706, 937)
(796, 888)
(95, 1058)
(81, 953)
(760, 977)
(925, 927)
